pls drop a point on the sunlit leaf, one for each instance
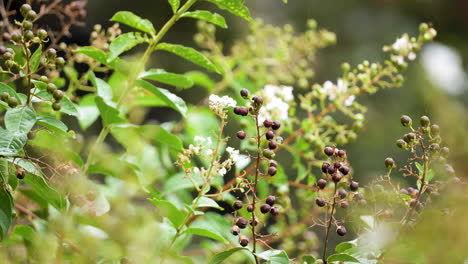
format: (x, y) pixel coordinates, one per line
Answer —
(169, 98)
(20, 120)
(162, 76)
(207, 16)
(124, 43)
(109, 114)
(204, 232)
(221, 257)
(189, 54)
(134, 21)
(235, 7)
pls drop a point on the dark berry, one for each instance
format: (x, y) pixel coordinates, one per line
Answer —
(4, 96)
(342, 193)
(269, 135)
(267, 123)
(243, 241)
(322, 183)
(344, 204)
(341, 230)
(445, 151)
(273, 164)
(81, 14)
(265, 208)
(272, 144)
(270, 200)
(274, 211)
(20, 173)
(401, 143)
(405, 120)
(325, 166)
(2, 49)
(241, 135)
(425, 121)
(435, 130)
(6, 37)
(56, 106)
(244, 93)
(31, 135)
(241, 110)
(320, 202)
(272, 171)
(276, 125)
(331, 169)
(241, 222)
(358, 196)
(362, 202)
(250, 208)
(235, 230)
(389, 163)
(12, 102)
(344, 170)
(337, 164)
(336, 177)
(258, 100)
(329, 151)
(253, 222)
(341, 153)
(237, 204)
(58, 95)
(354, 186)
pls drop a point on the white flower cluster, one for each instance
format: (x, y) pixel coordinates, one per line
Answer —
(218, 104)
(276, 103)
(403, 47)
(334, 91)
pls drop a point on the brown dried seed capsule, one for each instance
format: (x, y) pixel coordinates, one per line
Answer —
(354, 186)
(250, 208)
(269, 135)
(237, 204)
(336, 177)
(342, 193)
(272, 144)
(344, 170)
(325, 166)
(272, 171)
(244, 93)
(271, 199)
(20, 173)
(322, 183)
(235, 230)
(241, 222)
(276, 125)
(267, 123)
(328, 151)
(243, 241)
(320, 202)
(274, 211)
(241, 135)
(341, 230)
(265, 208)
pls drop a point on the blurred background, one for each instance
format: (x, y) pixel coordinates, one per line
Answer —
(436, 82)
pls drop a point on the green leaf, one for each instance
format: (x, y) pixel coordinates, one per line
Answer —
(52, 123)
(236, 7)
(88, 112)
(274, 256)
(134, 21)
(124, 43)
(8, 89)
(342, 257)
(6, 212)
(49, 194)
(24, 231)
(207, 16)
(344, 246)
(162, 136)
(162, 76)
(308, 260)
(11, 144)
(103, 88)
(98, 55)
(20, 120)
(4, 170)
(109, 115)
(67, 106)
(208, 202)
(222, 256)
(174, 5)
(170, 211)
(204, 232)
(36, 59)
(201, 79)
(169, 98)
(189, 54)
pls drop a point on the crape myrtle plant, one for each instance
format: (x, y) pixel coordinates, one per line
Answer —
(190, 190)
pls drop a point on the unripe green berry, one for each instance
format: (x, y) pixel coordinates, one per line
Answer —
(51, 53)
(389, 163)
(10, 64)
(4, 96)
(56, 106)
(60, 62)
(27, 25)
(28, 35)
(425, 121)
(42, 34)
(58, 95)
(401, 143)
(43, 78)
(268, 153)
(16, 37)
(12, 102)
(51, 88)
(25, 9)
(31, 15)
(7, 56)
(435, 130)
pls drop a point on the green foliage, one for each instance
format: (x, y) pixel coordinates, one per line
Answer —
(134, 21)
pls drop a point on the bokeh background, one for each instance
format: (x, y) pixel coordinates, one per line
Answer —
(436, 82)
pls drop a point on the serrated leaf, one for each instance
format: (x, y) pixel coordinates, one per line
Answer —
(235, 7)
(20, 120)
(49, 194)
(52, 123)
(11, 144)
(6, 212)
(203, 232)
(208, 202)
(123, 43)
(98, 55)
(109, 115)
(207, 16)
(174, 5)
(134, 21)
(342, 257)
(169, 98)
(189, 54)
(162, 76)
(274, 256)
(222, 256)
(170, 211)
(36, 59)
